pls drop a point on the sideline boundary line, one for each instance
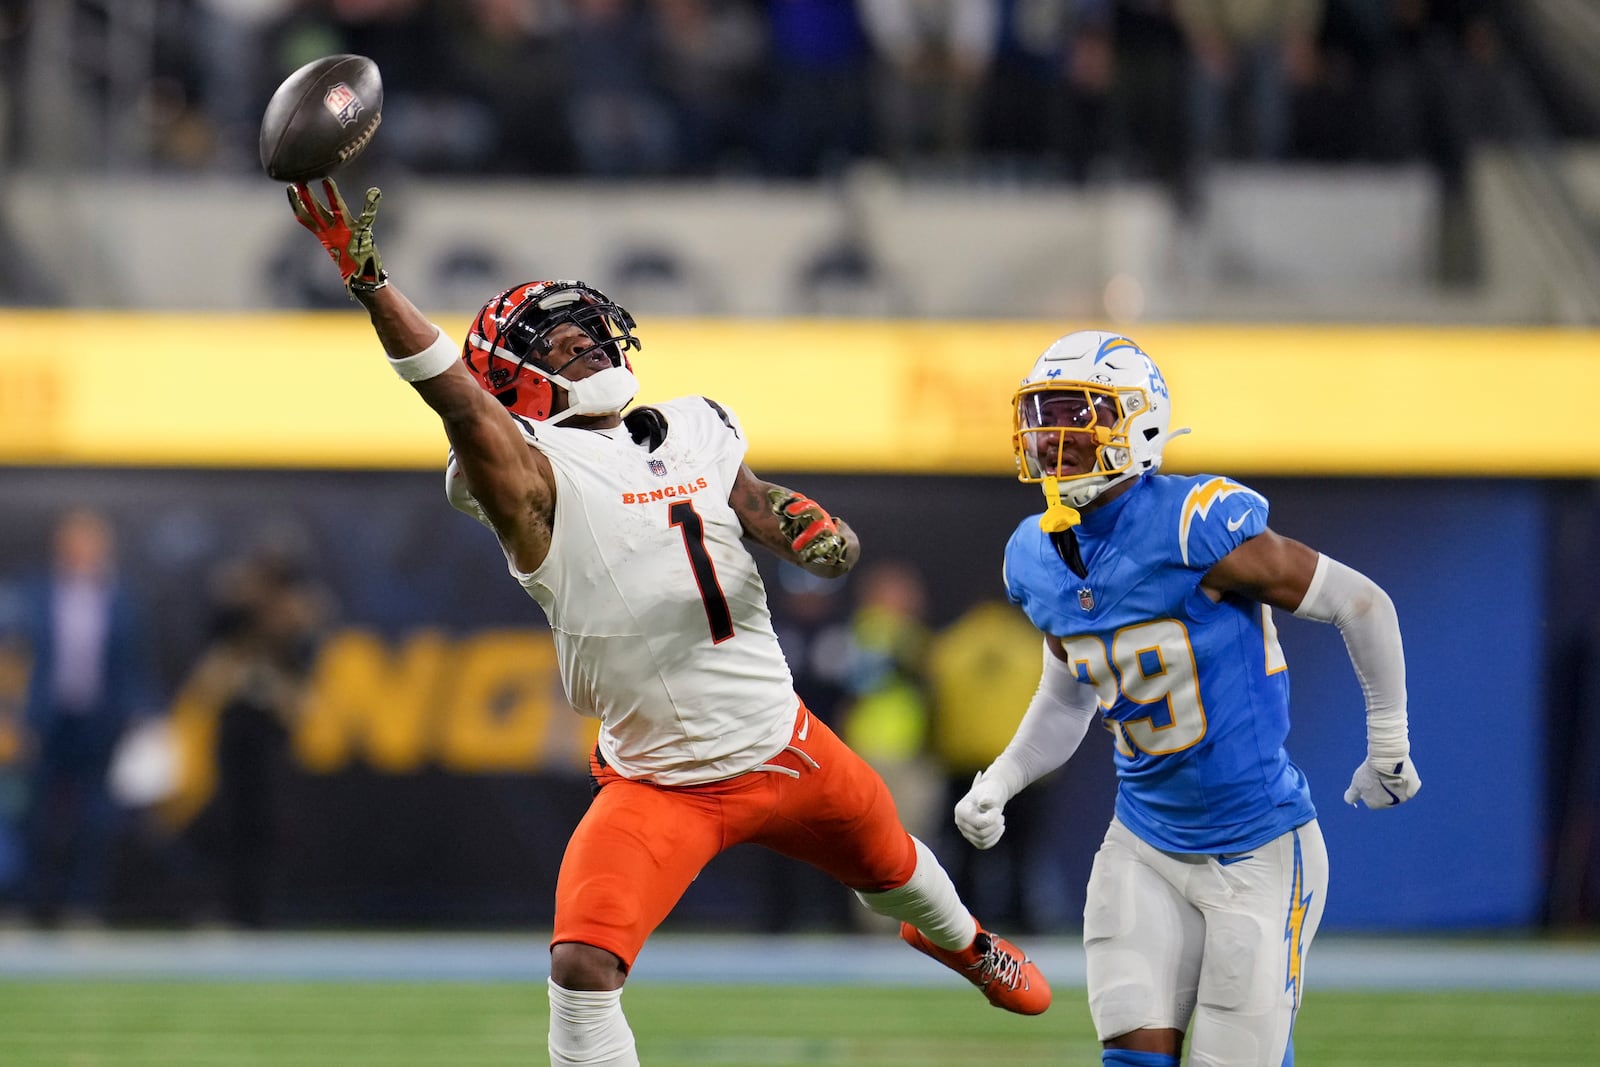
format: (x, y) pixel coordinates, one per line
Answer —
(799, 959)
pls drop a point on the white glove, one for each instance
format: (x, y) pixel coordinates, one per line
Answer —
(980, 815)
(1383, 783)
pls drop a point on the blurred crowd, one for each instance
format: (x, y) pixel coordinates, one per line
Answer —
(1048, 90)
(87, 752)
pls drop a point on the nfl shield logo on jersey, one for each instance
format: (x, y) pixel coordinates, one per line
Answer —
(1086, 598)
(658, 468)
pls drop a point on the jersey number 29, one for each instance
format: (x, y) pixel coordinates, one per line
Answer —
(1155, 665)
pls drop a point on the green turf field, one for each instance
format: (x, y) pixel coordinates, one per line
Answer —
(349, 1024)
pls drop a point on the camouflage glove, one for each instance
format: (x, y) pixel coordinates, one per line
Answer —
(349, 243)
(811, 531)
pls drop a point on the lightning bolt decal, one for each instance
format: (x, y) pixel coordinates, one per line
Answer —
(1115, 344)
(1198, 503)
(1294, 927)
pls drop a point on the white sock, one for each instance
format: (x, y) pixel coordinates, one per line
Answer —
(587, 1029)
(929, 902)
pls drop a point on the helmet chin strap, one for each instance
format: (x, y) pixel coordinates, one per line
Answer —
(604, 392)
(1085, 491)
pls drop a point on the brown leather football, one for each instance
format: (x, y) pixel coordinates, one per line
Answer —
(321, 117)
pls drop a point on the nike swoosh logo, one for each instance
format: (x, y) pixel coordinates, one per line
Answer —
(1229, 859)
(1234, 524)
(1394, 798)
(805, 728)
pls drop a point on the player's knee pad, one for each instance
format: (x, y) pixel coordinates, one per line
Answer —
(588, 1029)
(1224, 1039)
(1233, 978)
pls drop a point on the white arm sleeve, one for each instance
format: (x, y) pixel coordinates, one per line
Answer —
(1367, 621)
(1051, 728)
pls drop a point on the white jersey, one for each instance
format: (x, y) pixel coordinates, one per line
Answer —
(659, 615)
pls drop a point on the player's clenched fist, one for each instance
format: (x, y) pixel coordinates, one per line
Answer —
(1383, 783)
(349, 242)
(810, 530)
(980, 815)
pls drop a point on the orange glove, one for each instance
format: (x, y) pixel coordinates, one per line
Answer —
(349, 243)
(812, 532)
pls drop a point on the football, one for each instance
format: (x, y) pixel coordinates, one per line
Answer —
(321, 117)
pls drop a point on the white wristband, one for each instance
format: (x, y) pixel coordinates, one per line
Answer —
(430, 362)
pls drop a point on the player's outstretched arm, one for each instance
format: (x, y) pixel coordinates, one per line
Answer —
(795, 527)
(510, 480)
(1283, 572)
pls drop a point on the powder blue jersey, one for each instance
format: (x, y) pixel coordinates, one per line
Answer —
(1195, 693)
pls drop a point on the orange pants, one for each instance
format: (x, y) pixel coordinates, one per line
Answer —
(640, 845)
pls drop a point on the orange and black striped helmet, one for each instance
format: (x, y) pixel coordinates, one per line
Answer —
(509, 344)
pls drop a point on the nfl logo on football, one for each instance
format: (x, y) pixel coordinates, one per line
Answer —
(344, 104)
(1086, 598)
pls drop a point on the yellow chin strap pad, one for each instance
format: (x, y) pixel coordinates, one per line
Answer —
(1057, 517)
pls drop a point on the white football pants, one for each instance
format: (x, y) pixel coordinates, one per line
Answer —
(1214, 945)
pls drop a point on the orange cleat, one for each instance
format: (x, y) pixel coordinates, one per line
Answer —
(1007, 977)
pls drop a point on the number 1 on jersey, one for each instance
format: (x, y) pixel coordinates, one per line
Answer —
(684, 516)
